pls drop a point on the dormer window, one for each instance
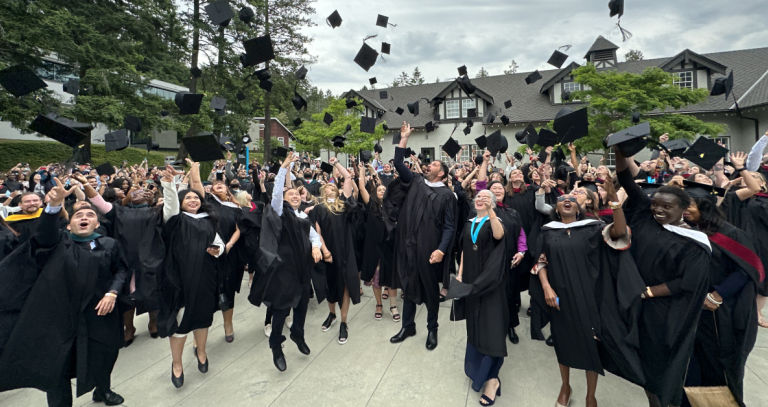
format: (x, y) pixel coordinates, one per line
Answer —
(465, 105)
(683, 79)
(457, 108)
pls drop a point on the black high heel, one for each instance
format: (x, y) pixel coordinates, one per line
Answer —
(203, 367)
(489, 402)
(177, 381)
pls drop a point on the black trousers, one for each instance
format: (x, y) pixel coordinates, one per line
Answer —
(409, 313)
(299, 316)
(513, 299)
(61, 394)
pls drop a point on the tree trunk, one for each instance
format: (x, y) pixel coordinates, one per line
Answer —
(267, 103)
(192, 81)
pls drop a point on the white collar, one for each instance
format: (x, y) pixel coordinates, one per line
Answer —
(561, 225)
(230, 204)
(196, 215)
(331, 200)
(691, 234)
(473, 219)
(437, 184)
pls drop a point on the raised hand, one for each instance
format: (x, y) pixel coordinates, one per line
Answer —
(405, 131)
(58, 194)
(664, 138)
(738, 159)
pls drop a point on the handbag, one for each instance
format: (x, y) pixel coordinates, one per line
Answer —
(223, 302)
(713, 396)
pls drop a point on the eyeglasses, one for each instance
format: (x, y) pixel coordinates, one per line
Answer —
(577, 192)
(566, 198)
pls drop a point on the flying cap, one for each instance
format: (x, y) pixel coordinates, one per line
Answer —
(705, 153)
(116, 141)
(328, 119)
(338, 141)
(504, 144)
(482, 142)
(385, 48)
(188, 103)
(396, 138)
(72, 86)
(531, 137)
(382, 21)
(520, 136)
(451, 147)
(533, 77)
(467, 130)
(698, 190)
(636, 117)
(413, 108)
(246, 139)
(132, 123)
(368, 125)
(470, 123)
(258, 50)
(334, 20)
(557, 59)
(58, 130)
(630, 141)
(572, 126)
(298, 101)
(226, 143)
(301, 74)
(383, 94)
(196, 72)
(377, 148)
(372, 81)
(430, 127)
(266, 85)
(218, 103)
(350, 103)
(507, 104)
(494, 143)
(542, 156)
(547, 138)
(616, 7)
(246, 14)
(471, 112)
(280, 151)
(105, 169)
(504, 119)
(677, 147)
(20, 80)
(723, 85)
(490, 119)
(262, 74)
(203, 147)
(219, 12)
(240, 95)
(366, 57)
(151, 145)
(400, 110)
(327, 168)
(466, 85)
(297, 122)
(463, 70)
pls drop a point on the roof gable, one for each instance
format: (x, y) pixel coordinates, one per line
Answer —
(690, 56)
(601, 44)
(559, 76)
(455, 84)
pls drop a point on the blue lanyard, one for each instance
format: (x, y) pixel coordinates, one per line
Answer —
(474, 232)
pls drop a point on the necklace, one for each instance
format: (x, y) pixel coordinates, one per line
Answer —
(475, 232)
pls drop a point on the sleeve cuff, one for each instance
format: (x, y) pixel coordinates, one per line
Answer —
(53, 209)
(542, 263)
(622, 243)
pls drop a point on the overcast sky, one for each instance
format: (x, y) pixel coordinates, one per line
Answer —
(440, 35)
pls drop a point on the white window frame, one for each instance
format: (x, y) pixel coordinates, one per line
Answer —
(681, 82)
(281, 140)
(467, 104)
(466, 154)
(452, 109)
(571, 86)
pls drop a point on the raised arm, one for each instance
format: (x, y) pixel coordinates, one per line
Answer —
(195, 183)
(752, 186)
(405, 173)
(171, 205)
(348, 181)
(361, 184)
(574, 159)
(482, 173)
(756, 154)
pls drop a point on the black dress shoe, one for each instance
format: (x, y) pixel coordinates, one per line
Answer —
(513, 336)
(203, 367)
(301, 344)
(431, 340)
(153, 335)
(550, 341)
(279, 359)
(177, 381)
(109, 397)
(402, 335)
(528, 312)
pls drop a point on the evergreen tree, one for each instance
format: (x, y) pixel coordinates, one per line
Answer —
(482, 73)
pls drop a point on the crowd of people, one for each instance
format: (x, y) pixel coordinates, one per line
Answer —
(652, 271)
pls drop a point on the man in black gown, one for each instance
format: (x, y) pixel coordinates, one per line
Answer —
(25, 222)
(426, 227)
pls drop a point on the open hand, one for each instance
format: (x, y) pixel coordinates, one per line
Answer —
(105, 305)
(213, 251)
(436, 257)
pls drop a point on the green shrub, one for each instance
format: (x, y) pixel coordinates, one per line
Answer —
(43, 152)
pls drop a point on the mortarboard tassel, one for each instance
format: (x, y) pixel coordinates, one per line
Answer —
(625, 34)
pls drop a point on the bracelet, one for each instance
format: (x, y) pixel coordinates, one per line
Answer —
(110, 295)
(711, 299)
(615, 205)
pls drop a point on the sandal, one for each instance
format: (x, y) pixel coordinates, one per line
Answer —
(384, 296)
(395, 317)
(377, 315)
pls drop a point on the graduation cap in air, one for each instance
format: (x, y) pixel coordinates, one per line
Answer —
(132, 123)
(196, 72)
(479, 159)
(383, 94)
(698, 190)
(247, 139)
(298, 101)
(338, 141)
(467, 130)
(463, 70)
(218, 103)
(328, 119)
(266, 85)
(451, 147)
(383, 21)
(504, 144)
(400, 110)
(494, 143)
(466, 85)
(20, 80)
(226, 143)
(542, 156)
(520, 136)
(557, 59)
(188, 103)
(365, 156)
(491, 118)
(547, 138)
(385, 48)
(280, 151)
(470, 123)
(723, 85)
(240, 95)
(262, 74)
(571, 126)
(409, 152)
(203, 147)
(590, 185)
(531, 136)
(504, 119)
(636, 117)
(518, 156)
(677, 147)
(350, 103)
(507, 104)
(327, 168)
(366, 57)
(630, 141)
(257, 50)
(430, 127)
(372, 81)
(297, 122)
(151, 145)
(377, 148)
(301, 74)
(413, 108)
(471, 112)
(368, 125)
(616, 7)
(116, 141)
(72, 86)
(705, 153)
(334, 20)
(58, 130)
(105, 169)
(533, 77)
(396, 138)
(482, 142)
(219, 12)
(246, 14)
(385, 127)
(566, 95)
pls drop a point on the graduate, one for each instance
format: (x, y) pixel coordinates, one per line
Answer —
(426, 227)
(58, 317)
(190, 282)
(673, 261)
(9, 239)
(289, 246)
(727, 328)
(25, 222)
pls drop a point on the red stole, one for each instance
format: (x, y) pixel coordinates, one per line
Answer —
(740, 251)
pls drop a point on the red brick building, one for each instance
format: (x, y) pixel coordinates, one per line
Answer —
(278, 130)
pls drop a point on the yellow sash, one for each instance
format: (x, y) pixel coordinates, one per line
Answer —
(14, 218)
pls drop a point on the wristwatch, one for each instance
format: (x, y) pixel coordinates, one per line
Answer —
(615, 205)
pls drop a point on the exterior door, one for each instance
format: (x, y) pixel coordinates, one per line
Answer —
(429, 155)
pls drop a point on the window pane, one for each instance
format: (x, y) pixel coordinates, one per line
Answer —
(451, 109)
(571, 87)
(683, 79)
(465, 154)
(466, 104)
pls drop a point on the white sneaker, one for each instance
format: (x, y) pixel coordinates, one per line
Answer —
(289, 321)
(268, 330)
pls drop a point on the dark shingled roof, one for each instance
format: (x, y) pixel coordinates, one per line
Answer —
(601, 44)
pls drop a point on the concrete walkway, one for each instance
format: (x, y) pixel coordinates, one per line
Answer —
(367, 371)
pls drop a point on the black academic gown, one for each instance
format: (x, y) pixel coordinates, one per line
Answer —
(250, 231)
(338, 231)
(525, 206)
(8, 242)
(599, 289)
(190, 275)
(49, 288)
(668, 324)
(751, 216)
(231, 264)
(378, 249)
(26, 228)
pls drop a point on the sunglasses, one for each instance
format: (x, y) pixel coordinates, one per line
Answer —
(566, 198)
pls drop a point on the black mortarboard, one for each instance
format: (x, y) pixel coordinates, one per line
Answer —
(451, 147)
(705, 153)
(203, 147)
(218, 103)
(557, 59)
(429, 127)
(258, 50)
(504, 144)
(298, 101)
(301, 74)
(338, 141)
(280, 151)
(698, 190)
(151, 145)
(105, 169)
(219, 12)
(72, 86)
(507, 104)
(262, 74)
(383, 94)
(572, 126)
(471, 112)
(55, 129)
(246, 14)
(547, 138)
(533, 77)
(196, 72)
(466, 85)
(566, 95)
(334, 20)
(400, 110)
(479, 159)
(327, 119)
(616, 7)
(226, 143)
(518, 156)
(382, 21)
(491, 118)
(297, 122)
(470, 123)
(348, 129)
(723, 85)
(266, 85)
(246, 139)
(188, 103)
(482, 142)
(531, 136)
(240, 95)
(630, 141)
(542, 155)
(504, 119)
(467, 130)
(132, 123)
(636, 117)
(20, 80)
(366, 57)
(463, 70)
(368, 125)
(493, 142)
(365, 156)
(116, 141)
(677, 147)
(385, 48)
(327, 168)
(649, 188)
(372, 81)
(520, 136)
(409, 152)
(377, 148)
(590, 185)
(396, 138)
(413, 108)
(350, 103)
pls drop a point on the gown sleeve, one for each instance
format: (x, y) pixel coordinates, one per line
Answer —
(170, 200)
